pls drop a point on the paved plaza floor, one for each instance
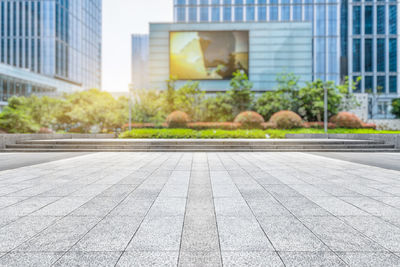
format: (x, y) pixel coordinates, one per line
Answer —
(199, 209)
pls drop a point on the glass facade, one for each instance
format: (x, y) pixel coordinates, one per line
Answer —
(55, 38)
(355, 38)
(326, 21)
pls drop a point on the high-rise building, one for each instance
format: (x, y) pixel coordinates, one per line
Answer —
(49, 46)
(140, 61)
(354, 38)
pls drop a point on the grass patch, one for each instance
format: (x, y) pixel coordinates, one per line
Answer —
(235, 134)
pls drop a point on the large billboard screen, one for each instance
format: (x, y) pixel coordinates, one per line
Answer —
(208, 55)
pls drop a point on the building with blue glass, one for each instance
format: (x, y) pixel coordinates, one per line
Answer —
(350, 38)
(49, 46)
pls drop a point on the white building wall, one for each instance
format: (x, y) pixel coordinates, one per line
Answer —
(275, 47)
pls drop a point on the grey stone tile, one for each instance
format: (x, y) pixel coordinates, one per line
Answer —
(132, 208)
(27, 206)
(61, 236)
(166, 207)
(200, 258)
(372, 206)
(62, 207)
(339, 236)
(98, 206)
(8, 201)
(33, 259)
(118, 190)
(338, 207)
(268, 208)
(251, 258)
(200, 234)
(232, 207)
(378, 230)
(111, 234)
(311, 259)
(21, 230)
(149, 258)
(371, 259)
(73, 258)
(282, 191)
(158, 234)
(241, 234)
(301, 206)
(289, 234)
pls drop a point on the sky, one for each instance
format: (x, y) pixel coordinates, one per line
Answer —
(121, 18)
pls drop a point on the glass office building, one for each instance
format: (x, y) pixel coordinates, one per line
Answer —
(59, 39)
(354, 38)
(325, 18)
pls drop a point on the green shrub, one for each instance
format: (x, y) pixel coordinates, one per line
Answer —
(347, 120)
(249, 119)
(177, 119)
(286, 119)
(396, 107)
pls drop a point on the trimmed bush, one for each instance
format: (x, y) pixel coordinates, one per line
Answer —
(268, 125)
(318, 125)
(46, 131)
(369, 126)
(249, 119)
(286, 119)
(347, 120)
(177, 119)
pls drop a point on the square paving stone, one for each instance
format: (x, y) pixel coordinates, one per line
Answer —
(289, 234)
(73, 258)
(371, 259)
(295, 259)
(149, 258)
(61, 236)
(251, 258)
(33, 259)
(200, 258)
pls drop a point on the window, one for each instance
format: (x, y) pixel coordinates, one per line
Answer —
(215, 14)
(380, 19)
(381, 84)
(273, 13)
(356, 20)
(250, 13)
(393, 19)
(368, 19)
(238, 13)
(332, 20)
(393, 55)
(380, 55)
(285, 13)
(181, 2)
(227, 14)
(204, 14)
(320, 42)
(369, 84)
(262, 13)
(368, 55)
(356, 55)
(215, 2)
(393, 84)
(308, 13)
(333, 66)
(181, 14)
(320, 20)
(192, 14)
(297, 13)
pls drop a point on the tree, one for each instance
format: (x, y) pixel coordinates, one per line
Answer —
(283, 98)
(311, 100)
(218, 108)
(189, 99)
(15, 117)
(396, 107)
(170, 95)
(148, 107)
(240, 94)
(349, 100)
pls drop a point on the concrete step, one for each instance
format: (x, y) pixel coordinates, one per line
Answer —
(199, 146)
(360, 150)
(239, 142)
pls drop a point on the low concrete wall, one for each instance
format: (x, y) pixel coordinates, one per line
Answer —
(390, 139)
(391, 125)
(9, 139)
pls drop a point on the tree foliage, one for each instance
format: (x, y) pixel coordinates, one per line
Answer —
(396, 107)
